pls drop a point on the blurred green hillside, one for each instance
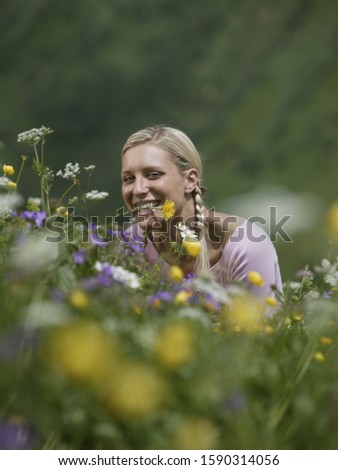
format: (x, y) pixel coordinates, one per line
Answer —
(254, 84)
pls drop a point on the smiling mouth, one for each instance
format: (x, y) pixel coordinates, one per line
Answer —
(149, 205)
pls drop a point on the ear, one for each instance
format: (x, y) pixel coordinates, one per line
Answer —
(191, 180)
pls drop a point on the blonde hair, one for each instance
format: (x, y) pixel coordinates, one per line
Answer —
(185, 156)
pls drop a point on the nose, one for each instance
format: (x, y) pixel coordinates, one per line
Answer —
(140, 186)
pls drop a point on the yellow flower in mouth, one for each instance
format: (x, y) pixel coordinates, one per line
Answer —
(168, 209)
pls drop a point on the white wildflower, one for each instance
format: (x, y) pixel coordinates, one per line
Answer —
(331, 272)
(45, 313)
(89, 168)
(96, 195)
(9, 201)
(3, 183)
(70, 172)
(34, 253)
(119, 274)
(73, 201)
(33, 136)
(35, 200)
(49, 174)
(186, 233)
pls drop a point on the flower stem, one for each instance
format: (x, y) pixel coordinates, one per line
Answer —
(66, 192)
(20, 171)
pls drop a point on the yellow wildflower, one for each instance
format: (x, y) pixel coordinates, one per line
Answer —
(11, 185)
(272, 301)
(255, 278)
(62, 212)
(176, 273)
(196, 433)
(244, 313)
(168, 209)
(137, 309)
(182, 297)
(156, 302)
(298, 317)
(332, 220)
(8, 170)
(82, 351)
(325, 340)
(268, 329)
(193, 248)
(79, 299)
(174, 345)
(136, 392)
(319, 356)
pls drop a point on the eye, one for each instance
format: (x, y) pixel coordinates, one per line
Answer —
(154, 174)
(127, 179)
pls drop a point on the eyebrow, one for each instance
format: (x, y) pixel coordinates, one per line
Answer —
(145, 169)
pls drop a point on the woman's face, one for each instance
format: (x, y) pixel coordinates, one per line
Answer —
(150, 176)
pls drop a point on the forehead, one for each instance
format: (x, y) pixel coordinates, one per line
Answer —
(146, 155)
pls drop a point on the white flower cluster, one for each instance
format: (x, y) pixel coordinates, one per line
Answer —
(49, 174)
(331, 270)
(119, 274)
(96, 195)
(33, 136)
(186, 233)
(70, 172)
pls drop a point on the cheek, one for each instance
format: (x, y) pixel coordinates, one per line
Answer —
(125, 194)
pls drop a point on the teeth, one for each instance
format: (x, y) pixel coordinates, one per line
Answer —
(146, 206)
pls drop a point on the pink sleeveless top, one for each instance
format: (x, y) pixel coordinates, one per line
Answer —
(249, 248)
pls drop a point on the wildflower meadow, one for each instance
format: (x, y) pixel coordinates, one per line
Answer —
(99, 351)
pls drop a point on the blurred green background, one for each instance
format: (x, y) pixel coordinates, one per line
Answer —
(253, 83)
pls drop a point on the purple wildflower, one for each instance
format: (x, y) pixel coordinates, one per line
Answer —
(79, 257)
(305, 272)
(39, 217)
(15, 434)
(96, 240)
(235, 402)
(57, 295)
(90, 284)
(214, 304)
(104, 279)
(162, 296)
(138, 247)
(328, 295)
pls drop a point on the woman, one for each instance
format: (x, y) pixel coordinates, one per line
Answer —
(161, 164)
